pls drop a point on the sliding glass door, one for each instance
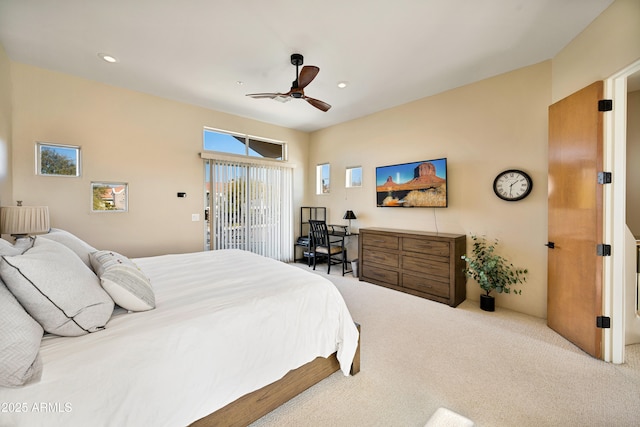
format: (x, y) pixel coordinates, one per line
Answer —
(249, 207)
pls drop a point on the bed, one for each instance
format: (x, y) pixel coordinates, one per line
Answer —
(232, 335)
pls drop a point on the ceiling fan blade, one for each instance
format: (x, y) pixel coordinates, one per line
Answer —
(320, 105)
(265, 95)
(307, 74)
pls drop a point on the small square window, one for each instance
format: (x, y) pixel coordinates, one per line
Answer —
(57, 160)
(322, 179)
(109, 196)
(353, 177)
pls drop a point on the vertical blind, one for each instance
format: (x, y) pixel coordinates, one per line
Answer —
(251, 208)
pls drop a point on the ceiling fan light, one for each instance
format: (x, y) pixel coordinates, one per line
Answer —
(108, 58)
(282, 98)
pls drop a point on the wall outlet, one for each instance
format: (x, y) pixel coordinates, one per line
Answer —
(195, 217)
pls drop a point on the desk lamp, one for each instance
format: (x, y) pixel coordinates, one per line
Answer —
(349, 215)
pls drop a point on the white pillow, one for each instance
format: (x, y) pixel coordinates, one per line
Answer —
(123, 280)
(57, 289)
(24, 243)
(8, 248)
(20, 338)
(77, 245)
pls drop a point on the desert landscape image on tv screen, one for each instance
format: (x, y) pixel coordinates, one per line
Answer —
(418, 184)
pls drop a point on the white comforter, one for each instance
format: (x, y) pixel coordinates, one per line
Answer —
(226, 323)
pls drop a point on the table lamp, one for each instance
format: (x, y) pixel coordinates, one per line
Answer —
(349, 215)
(22, 221)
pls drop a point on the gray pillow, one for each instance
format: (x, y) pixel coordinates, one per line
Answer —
(123, 280)
(20, 338)
(77, 245)
(57, 289)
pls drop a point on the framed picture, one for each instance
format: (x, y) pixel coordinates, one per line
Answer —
(420, 184)
(109, 196)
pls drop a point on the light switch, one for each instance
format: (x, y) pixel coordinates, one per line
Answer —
(195, 217)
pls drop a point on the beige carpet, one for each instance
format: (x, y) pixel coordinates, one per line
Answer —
(498, 369)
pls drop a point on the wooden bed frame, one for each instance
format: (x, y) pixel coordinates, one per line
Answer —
(255, 405)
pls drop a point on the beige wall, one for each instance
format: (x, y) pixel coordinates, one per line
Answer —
(149, 142)
(153, 144)
(605, 47)
(6, 191)
(633, 163)
(482, 129)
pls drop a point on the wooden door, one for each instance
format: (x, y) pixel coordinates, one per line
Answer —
(574, 295)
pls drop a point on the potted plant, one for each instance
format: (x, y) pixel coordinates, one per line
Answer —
(492, 272)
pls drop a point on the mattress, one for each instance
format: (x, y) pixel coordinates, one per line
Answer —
(227, 322)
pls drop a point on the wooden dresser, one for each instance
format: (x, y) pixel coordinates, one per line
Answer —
(420, 263)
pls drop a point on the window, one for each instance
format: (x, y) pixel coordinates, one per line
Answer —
(243, 145)
(57, 160)
(109, 197)
(249, 207)
(353, 177)
(322, 179)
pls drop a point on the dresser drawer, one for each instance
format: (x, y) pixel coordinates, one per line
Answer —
(425, 246)
(426, 285)
(428, 266)
(380, 241)
(380, 257)
(380, 274)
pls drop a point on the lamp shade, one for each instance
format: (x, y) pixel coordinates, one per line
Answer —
(349, 215)
(24, 220)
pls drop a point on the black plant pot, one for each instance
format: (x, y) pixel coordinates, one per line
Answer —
(487, 303)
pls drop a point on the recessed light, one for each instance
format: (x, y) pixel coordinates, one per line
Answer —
(342, 85)
(108, 58)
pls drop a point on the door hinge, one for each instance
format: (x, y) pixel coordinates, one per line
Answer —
(605, 105)
(603, 322)
(603, 249)
(604, 178)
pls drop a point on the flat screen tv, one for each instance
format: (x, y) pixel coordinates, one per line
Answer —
(413, 185)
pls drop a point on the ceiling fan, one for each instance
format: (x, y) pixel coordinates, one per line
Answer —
(306, 75)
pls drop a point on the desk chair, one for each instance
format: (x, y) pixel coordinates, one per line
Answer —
(323, 246)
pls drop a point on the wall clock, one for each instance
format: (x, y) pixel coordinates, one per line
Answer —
(512, 185)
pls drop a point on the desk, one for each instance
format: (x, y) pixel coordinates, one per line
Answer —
(335, 230)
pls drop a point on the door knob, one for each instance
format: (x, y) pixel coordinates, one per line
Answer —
(550, 245)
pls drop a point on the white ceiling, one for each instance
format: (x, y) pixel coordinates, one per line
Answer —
(195, 51)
